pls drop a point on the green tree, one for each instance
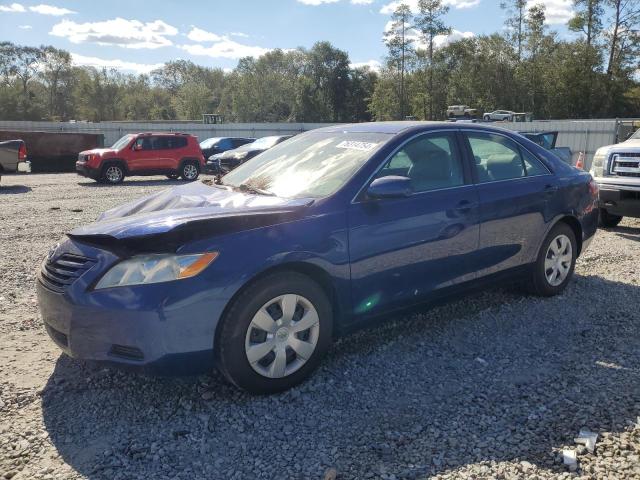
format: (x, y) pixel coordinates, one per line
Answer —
(399, 44)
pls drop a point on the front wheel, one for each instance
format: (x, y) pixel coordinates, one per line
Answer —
(113, 174)
(556, 261)
(608, 220)
(190, 171)
(275, 333)
(487, 118)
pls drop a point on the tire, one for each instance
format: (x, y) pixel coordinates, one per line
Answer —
(112, 174)
(190, 171)
(487, 118)
(467, 116)
(542, 281)
(607, 220)
(238, 334)
(173, 176)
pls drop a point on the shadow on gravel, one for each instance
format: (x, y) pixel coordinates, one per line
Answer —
(133, 183)
(13, 189)
(494, 377)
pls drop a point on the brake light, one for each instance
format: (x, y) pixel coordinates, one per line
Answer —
(22, 152)
(580, 162)
(593, 188)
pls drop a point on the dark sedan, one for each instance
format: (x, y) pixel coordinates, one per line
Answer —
(227, 161)
(317, 236)
(216, 145)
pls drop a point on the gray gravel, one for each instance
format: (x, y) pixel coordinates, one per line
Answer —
(493, 386)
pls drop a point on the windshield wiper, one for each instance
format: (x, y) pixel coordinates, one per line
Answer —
(245, 187)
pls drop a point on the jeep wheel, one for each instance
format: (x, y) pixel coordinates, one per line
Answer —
(190, 171)
(608, 220)
(113, 174)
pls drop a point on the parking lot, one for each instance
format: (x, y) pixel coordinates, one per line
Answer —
(494, 386)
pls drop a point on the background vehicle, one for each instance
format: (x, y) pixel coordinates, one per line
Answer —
(461, 111)
(616, 168)
(215, 145)
(499, 115)
(321, 234)
(548, 141)
(13, 157)
(227, 161)
(171, 154)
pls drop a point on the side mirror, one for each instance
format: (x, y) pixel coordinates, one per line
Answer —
(391, 186)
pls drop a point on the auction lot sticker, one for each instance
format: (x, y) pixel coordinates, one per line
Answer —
(353, 145)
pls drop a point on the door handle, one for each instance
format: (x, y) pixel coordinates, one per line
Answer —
(465, 206)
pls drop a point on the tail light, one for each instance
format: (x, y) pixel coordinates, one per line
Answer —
(593, 188)
(22, 152)
(580, 162)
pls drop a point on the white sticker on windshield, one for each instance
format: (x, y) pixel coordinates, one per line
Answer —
(353, 145)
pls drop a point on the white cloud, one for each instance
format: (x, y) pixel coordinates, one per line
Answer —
(362, 2)
(389, 8)
(199, 35)
(51, 10)
(119, 31)
(557, 12)
(374, 65)
(439, 40)
(13, 8)
(25, 27)
(226, 48)
(212, 45)
(81, 60)
(239, 34)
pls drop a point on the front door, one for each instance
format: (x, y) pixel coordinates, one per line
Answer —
(404, 249)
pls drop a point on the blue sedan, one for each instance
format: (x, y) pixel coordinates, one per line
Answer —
(315, 237)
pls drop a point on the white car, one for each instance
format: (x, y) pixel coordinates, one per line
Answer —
(500, 115)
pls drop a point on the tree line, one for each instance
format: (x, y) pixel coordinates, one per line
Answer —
(526, 67)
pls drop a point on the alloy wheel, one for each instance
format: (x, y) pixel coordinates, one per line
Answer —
(557, 263)
(190, 171)
(282, 336)
(113, 174)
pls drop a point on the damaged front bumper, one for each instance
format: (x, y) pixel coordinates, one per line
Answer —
(165, 328)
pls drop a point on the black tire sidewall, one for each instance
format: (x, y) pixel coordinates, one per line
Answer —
(540, 284)
(230, 341)
(608, 220)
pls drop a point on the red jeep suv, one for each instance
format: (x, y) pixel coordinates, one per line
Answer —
(171, 154)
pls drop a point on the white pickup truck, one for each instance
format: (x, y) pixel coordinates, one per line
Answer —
(13, 157)
(616, 169)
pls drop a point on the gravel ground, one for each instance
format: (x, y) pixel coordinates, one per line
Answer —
(493, 386)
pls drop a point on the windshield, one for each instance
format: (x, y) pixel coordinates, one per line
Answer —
(263, 143)
(308, 165)
(209, 142)
(122, 142)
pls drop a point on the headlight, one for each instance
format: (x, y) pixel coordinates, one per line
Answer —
(145, 269)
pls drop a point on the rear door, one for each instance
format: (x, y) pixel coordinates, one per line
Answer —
(404, 249)
(514, 188)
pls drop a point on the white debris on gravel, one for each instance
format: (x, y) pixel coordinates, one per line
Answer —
(395, 402)
(588, 439)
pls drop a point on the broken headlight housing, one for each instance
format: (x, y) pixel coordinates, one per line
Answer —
(146, 269)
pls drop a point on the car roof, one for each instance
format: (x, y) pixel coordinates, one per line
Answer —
(394, 128)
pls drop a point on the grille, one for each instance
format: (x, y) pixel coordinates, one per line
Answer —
(623, 164)
(58, 274)
(130, 353)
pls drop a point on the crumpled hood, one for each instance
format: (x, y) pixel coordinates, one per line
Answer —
(169, 209)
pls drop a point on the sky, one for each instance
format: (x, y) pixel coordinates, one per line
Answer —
(138, 36)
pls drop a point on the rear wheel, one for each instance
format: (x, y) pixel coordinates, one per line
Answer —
(275, 333)
(608, 220)
(113, 174)
(190, 171)
(556, 261)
